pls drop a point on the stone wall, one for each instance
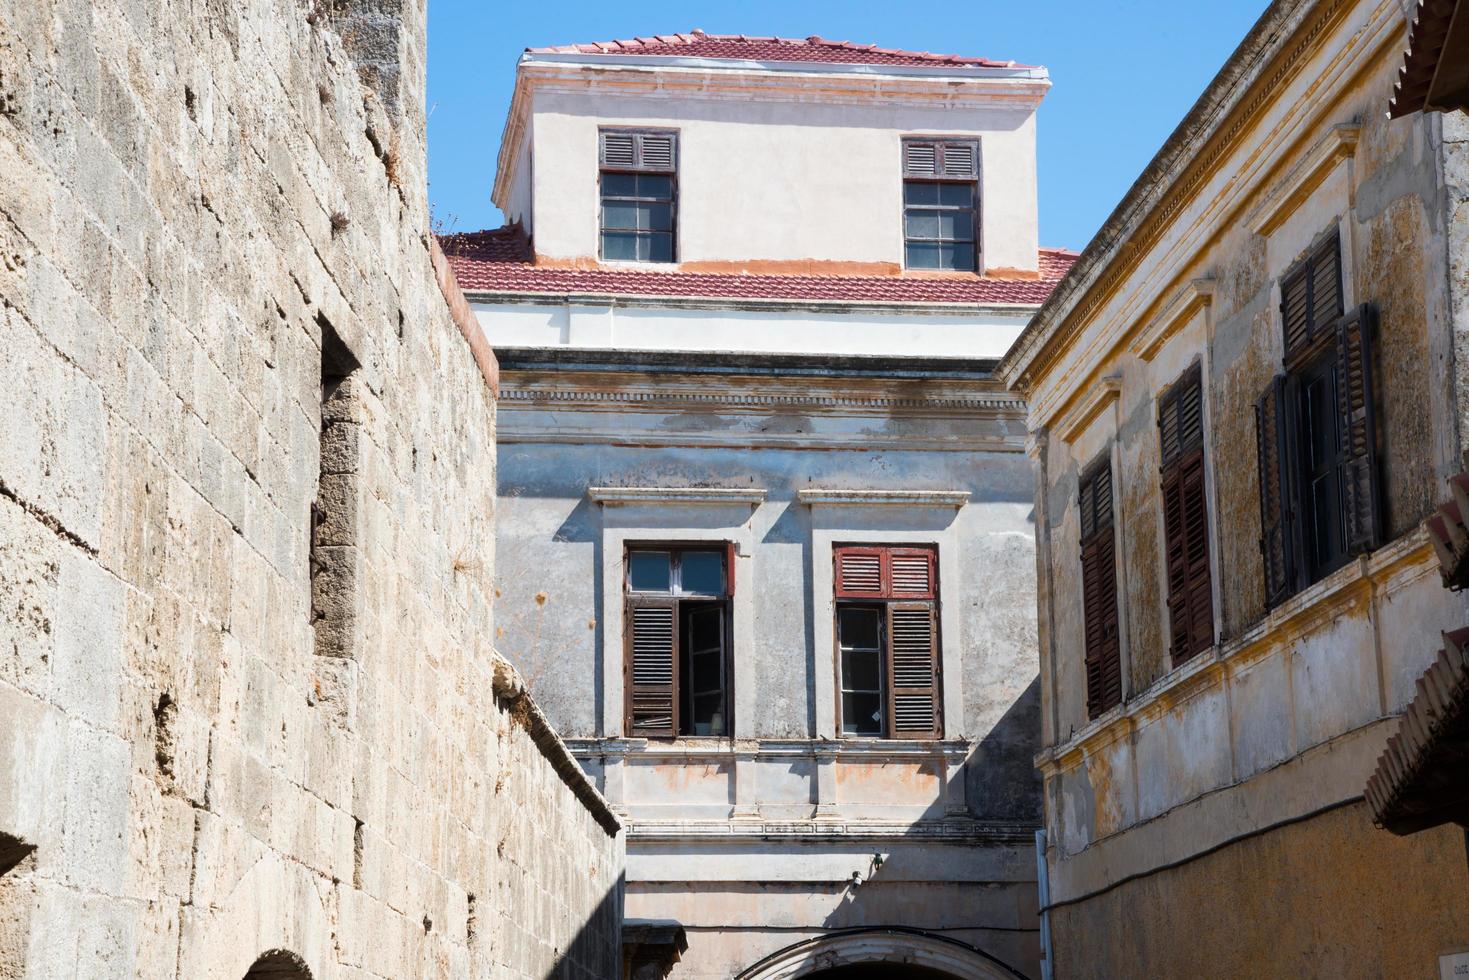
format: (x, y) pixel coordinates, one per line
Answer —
(248, 696)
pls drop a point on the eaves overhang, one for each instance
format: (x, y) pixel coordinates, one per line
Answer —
(714, 362)
(1275, 41)
(747, 303)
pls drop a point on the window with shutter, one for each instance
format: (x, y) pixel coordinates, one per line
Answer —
(1103, 651)
(887, 639)
(941, 204)
(638, 195)
(1186, 518)
(1318, 438)
(676, 646)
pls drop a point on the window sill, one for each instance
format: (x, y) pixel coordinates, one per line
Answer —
(1297, 616)
(725, 747)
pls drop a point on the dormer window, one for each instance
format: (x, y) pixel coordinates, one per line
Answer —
(940, 204)
(638, 170)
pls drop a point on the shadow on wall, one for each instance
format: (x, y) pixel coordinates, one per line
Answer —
(595, 952)
(1001, 774)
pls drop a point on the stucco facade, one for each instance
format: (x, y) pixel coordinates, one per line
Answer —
(1228, 783)
(252, 723)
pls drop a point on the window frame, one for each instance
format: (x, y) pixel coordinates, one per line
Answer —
(886, 599)
(938, 176)
(636, 170)
(679, 601)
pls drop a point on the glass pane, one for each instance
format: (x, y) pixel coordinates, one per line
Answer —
(705, 628)
(619, 245)
(647, 571)
(708, 715)
(956, 195)
(655, 185)
(702, 573)
(923, 257)
(624, 214)
(861, 671)
(959, 257)
(957, 226)
(706, 673)
(658, 217)
(921, 224)
(660, 248)
(619, 185)
(920, 192)
(858, 627)
(862, 714)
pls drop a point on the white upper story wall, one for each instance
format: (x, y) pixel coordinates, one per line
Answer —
(787, 167)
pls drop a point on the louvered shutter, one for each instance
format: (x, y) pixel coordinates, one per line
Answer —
(1310, 298)
(1361, 492)
(952, 159)
(1176, 552)
(1273, 437)
(860, 573)
(1186, 519)
(1103, 651)
(910, 573)
(651, 667)
(913, 703)
(629, 150)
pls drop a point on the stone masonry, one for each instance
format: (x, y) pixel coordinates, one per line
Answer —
(251, 719)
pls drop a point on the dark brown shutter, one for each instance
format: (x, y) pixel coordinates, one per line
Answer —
(860, 572)
(913, 703)
(628, 150)
(1273, 438)
(1310, 298)
(1361, 492)
(651, 666)
(953, 159)
(1186, 518)
(1103, 652)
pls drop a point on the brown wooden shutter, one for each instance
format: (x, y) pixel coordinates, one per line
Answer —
(1186, 518)
(913, 700)
(650, 646)
(729, 567)
(1103, 651)
(1274, 438)
(920, 158)
(630, 150)
(952, 159)
(910, 573)
(860, 572)
(1361, 491)
(1310, 298)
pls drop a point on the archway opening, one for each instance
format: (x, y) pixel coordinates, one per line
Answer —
(279, 964)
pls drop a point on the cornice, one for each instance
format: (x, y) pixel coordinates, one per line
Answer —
(1195, 295)
(950, 830)
(660, 398)
(884, 498)
(968, 311)
(696, 496)
(1284, 198)
(1098, 399)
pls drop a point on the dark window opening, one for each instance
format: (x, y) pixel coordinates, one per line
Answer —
(678, 641)
(1318, 439)
(941, 204)
(887, 641)
(638, 195)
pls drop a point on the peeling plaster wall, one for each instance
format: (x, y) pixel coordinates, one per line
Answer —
(192, 197)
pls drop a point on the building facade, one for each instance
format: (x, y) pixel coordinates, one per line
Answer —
(764, 540)
(1243, 403)
(252, 723)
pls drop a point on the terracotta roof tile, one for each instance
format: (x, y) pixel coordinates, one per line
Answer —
(697, 44)
(499, 261)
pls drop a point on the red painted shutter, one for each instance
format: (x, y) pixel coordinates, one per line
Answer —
(861, 572)
(651, 667)
(911, 573)
(1273, 440)
(913, 690)
(1361, 491)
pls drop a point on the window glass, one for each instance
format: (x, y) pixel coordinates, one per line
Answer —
(859, 627)
(648, 571)
(702, 573)
(859, 633)
(704, 680)
(861, 713)
(620, 246)
(920, 192)
(956, 195)
(619, 185)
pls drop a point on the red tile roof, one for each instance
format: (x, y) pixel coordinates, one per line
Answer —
(498, 261)
(697, 44)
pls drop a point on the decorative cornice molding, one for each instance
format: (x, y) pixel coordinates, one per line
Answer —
(664, 397)
(675, 495)
(949, 830)
(1195, 295)
(1282, 200)
(1102, 396)
(884, 498)
(753, 304)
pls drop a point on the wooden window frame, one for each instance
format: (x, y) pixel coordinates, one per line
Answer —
(1342, 346)
(638, 169)
(890, 598)
(939, 176)
(676, 601)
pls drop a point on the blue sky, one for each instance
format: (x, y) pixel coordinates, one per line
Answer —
(1124, 73)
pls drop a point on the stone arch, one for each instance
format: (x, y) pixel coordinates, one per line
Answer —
(278, 964)
(905, 947)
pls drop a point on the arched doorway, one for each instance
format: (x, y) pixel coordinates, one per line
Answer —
(880, 954)
(278, 964)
